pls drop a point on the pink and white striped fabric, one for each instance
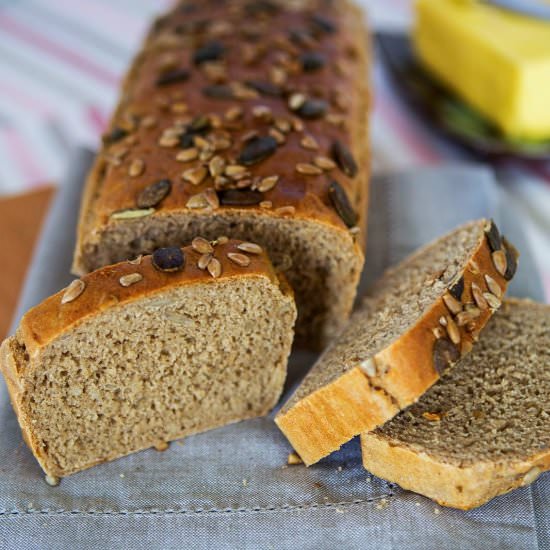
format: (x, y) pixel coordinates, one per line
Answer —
(61, 62)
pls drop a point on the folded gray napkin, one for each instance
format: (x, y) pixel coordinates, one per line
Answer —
(231, 488)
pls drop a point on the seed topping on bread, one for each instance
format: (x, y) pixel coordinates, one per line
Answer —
(154, 194)
(74, 290)
(168, 259)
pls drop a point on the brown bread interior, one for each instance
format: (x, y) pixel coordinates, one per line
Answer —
(176, 363)
(496, 405)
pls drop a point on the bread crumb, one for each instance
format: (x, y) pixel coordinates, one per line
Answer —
(437, 511)
(293, 459)
(52, 481)
(122, 476)
(162, 446)
(339, 510)
(245, 482)
(382, 504)
(339, 468)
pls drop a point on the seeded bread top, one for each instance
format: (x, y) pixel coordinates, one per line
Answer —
(240, 105)
(496, 406)
(202, 263)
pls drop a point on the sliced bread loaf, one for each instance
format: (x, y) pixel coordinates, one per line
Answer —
(484, 428)
(148, 351)
(421, 316)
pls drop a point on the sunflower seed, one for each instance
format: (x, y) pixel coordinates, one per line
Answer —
(257, 149)
(340, 201)
(216, 166)
(168, 259)
(198, 201)
(452, 303)
(73, 291)
(132, 213)
(313, 109)
(453, 331)
(250, 248)
(283, 125)
(344, 158)
(465, 317)
(480, 301)
(309, 142)
(493, 236)
(211, 198)
(278, 136)
(154, 193)
(202, 246)
(171, 77)
(137, 167)
(204, 260)
(368, 366)
(312, 61)
(443, 321)
(136, 261)
(240, 197)
(211, 51)
(511, 260)
(214, 267)
(235, 170)
(266, 184)
(234, 113)
(285, 210)
(324, 163)
(295, 101)
(195, 176)
(130, 279)
(266, 204)
(492, 300)
(262, 112)
(187, 155)
(308, 169)
(239, 259)
(438, 332)
(168, 141)
(499, 261)
(493, 286)
(444, 354)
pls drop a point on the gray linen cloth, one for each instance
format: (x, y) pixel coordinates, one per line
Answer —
(231, 488)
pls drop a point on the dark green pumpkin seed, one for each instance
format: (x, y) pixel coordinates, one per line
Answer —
(211, 51)
(444, 354)
(257, 149)
(511, 260)
(457, 289)
(312, 61)
(493, 237)
(258, 7)
(154, 193)
(265, 88)
(323, 24)
(344, 159)
(240, 197)
(168, 259)
(172, 77)
(116, 134)
(313, 108)
(199, 126)
(340, 201)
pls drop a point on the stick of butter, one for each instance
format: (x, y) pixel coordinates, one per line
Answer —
(497, 61)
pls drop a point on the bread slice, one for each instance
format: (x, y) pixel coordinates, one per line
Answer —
(484, 428)
(246, 119)
(420, 317)
(144, 352)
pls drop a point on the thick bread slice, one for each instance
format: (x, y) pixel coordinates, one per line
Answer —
(254, 116)
(421, 316)
(484, 428)
(132, 356)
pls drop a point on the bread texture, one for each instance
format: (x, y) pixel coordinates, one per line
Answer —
(144, 352)
(484, 428)
(418, 319)
(250, 118)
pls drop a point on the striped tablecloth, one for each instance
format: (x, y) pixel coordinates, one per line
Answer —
(61, 62)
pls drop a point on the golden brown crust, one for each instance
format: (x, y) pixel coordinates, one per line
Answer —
(103, 289)
(401, 373)
(453, 485)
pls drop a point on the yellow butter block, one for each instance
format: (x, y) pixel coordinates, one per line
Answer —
(497, 61)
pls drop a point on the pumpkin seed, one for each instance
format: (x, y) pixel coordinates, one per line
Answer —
(168, 259)
(312, 61)
(211, 51)
(265, 88)
(313, 108)
(493, 236)
(323, 24)
(171, 77)
(153, 194)
(511, 260)
(116, 134)
(257, 149)
(344, 158)
(340, 201)
(457, 289)
(218, 91)
(240, 197)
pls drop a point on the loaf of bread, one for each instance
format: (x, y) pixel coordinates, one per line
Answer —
(484, 428)
(420, 317)
(249, 119)
(150, 350)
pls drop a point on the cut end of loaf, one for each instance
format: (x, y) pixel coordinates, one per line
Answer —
(484, 429)
(168, 363)
(416, 321)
